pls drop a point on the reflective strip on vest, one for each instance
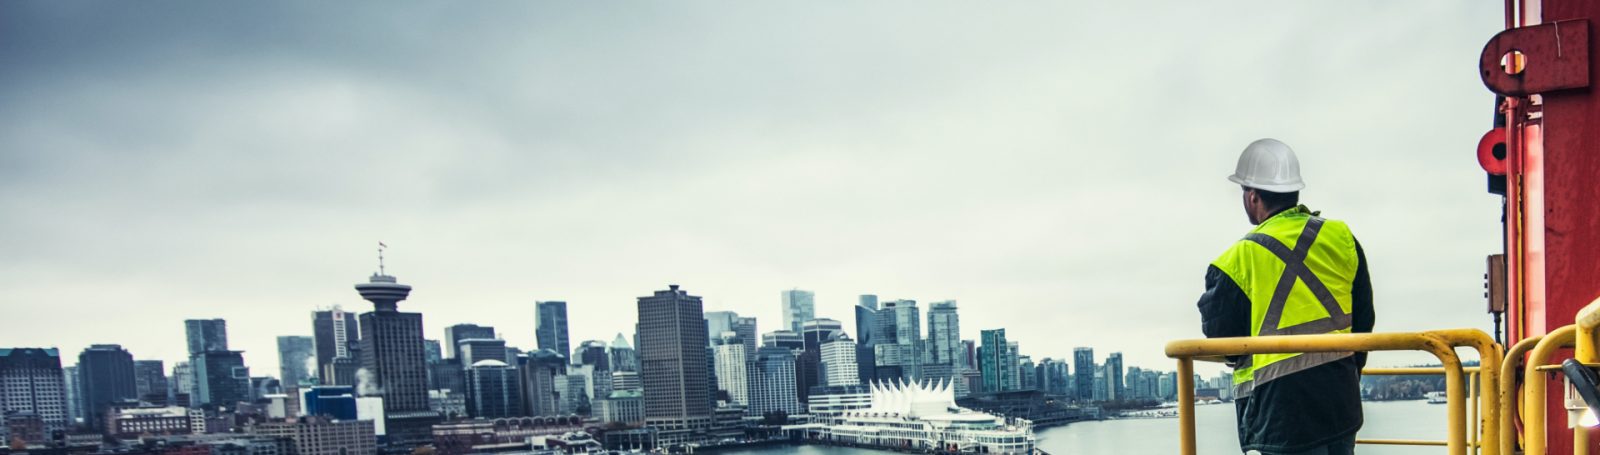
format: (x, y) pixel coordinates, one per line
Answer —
(1272, 295)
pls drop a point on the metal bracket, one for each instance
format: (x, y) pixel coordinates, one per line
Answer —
(1555, 57)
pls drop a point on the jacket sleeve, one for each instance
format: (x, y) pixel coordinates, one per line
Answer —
(1224, 309)
(1363, 316)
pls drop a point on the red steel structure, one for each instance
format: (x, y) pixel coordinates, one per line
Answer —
(1549, 156)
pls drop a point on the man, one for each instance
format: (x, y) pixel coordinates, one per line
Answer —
(1296, 273)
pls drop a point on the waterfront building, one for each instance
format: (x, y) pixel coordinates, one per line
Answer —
(798, 307)
(1083, 367)
(551, 332)
(495, 435)
(839, 365)
(623, 356)
(392, 354)
(995, 361)
(1027, 373)
(622, 406)
(322, 436)
(296, 356)
(830, 402)
(106, 375)
(968, 382)
(493, 390)
(1114, 390)
(32, 382)
(674, 359)
(206, 335)
(772, 383)
(333, 331)
(924, 417)
(455, 334)
(732, 368)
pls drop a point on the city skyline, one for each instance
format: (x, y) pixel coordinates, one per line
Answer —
(148, 179)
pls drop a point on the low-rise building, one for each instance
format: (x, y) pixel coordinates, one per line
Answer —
(323, 436)
(623, 406)
(132, 422)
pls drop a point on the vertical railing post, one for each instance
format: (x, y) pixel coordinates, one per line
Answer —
(1186, 405)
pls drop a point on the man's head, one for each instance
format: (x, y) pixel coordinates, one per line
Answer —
(1261, 204)
(1270, 175)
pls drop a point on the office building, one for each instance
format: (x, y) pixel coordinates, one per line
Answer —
(106, 375)
(493, 390)
(551, 332)
(944, 334)
(322, 436)
(73, 392)
(221, 379)
(150, 381)
(783, 339)
(995, 361)
(539, 373)
(133, 422)
(473, 350)
(1027, 373)
(333, 331)
(772, 384)
(672, 354)
(798, 307)
(453, 335)
(206, 335)
(1114, 390)
(899, 345)
(1083, 370)
(392, 354)
(732, 368)
(839, 365)
(332, 401)
(31, 381)
(625, 380)
(451, 404)
(297, 360)
(623, 406)
(623, 357)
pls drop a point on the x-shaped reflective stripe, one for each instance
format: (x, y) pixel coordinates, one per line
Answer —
(1294, 262)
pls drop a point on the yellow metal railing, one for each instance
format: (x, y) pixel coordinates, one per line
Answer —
(1440, 343)
(1474, 435)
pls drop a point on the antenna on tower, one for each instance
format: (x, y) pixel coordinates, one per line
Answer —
(381, 247)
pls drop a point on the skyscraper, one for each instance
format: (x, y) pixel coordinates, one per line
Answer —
(732, 367)
(772, 384)
(206, 335)
(105, 372)
(944, 334)
(899, 340)
(150, 381)
(31, 380)
(1114, 387)
(296, 360)
(866, 329)
(783, 339)
(839, 361)
(539, 382)
(798, 307)
(221, 379)
(73, 392)
(816, 331)
(672, 353)
(623, 357)
(333, 330)
(492, 390)
(552, 327)
(1083, 372)
(395, 362)
(995, 362)
(455, 333)
(473, 350)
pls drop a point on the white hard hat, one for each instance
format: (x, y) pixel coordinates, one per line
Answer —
(1268, 165)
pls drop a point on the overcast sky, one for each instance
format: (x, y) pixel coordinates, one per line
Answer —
(1057, 168)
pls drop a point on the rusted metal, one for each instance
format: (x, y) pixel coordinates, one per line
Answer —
(1554, 56)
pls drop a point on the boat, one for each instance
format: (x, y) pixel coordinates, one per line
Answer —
(1435, 397)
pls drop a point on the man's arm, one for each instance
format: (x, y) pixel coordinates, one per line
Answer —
(1363, 317)
(1224, 309)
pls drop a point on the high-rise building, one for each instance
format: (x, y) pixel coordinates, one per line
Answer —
(1027, 373)
(552, 327)
(1083, 369)
(73, 392)
(944, 334)
(105, 372)
(1014, 354)
(453, 335)
(783, 339)
(718, 322)
(995, 361)
(968, 355)
(623, 357)
(625, 380)
(150, 381)
(672, 354)
(297, 360)
(839, 365)
(473, 350)
(333, 331)
(732, 367)
(539, 373)
(31, 381)
(493, 390)
(817, 331)
(772, 384)
(206, 335)
(592, 352)
(1114, 391)
(866, 337)
(813, 334)
(182, 384)
(798, 307)
(433, 351)
(221, 379)
(395, 362)
(899, 347)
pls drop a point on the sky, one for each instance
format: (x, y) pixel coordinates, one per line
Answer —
(1055, 167)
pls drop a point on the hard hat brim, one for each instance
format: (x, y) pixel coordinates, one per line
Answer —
(1278, 188)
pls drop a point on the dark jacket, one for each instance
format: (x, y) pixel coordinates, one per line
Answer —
(1303, 410)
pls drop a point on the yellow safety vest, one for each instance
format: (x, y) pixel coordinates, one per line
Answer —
(1297, 269)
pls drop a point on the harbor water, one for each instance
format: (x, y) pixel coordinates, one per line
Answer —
(1216, 433)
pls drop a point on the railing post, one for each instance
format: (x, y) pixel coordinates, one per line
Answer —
(1186, 405)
